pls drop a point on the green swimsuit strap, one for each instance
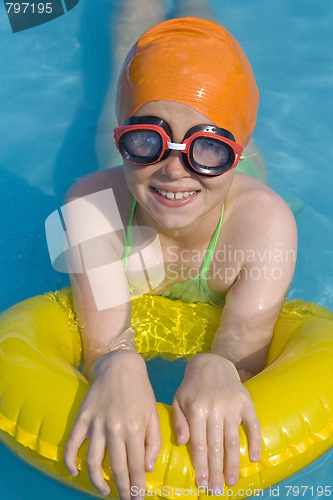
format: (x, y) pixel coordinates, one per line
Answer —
(210, 252)
(129, 235)
(208, 255)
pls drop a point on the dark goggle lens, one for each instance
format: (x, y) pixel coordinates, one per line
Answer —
(212, 153)
(141, 146)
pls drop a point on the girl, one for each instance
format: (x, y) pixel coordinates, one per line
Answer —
(186, 107)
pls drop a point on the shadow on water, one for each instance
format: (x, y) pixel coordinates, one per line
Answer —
(77, 154)
(24, 260)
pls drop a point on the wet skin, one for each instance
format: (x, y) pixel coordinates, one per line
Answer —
(119, 411)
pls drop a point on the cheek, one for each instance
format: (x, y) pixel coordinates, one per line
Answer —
(133, 175)
(136, 175)
(219, 186)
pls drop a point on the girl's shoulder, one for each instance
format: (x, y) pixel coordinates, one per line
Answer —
(248, 195)
(257, 210)
(97, 182)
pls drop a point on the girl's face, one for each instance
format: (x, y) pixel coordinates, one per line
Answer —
(168, 194)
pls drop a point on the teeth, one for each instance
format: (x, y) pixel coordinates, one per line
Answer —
(175, 196)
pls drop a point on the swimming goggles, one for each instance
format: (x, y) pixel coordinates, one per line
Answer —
(206, 149)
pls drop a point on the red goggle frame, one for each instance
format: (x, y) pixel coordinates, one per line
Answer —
(206, 149)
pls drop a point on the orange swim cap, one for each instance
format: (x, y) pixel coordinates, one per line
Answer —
(195, 62)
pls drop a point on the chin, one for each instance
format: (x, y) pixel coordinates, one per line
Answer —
(172, 222)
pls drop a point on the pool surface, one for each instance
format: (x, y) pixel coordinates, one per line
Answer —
(54, 86)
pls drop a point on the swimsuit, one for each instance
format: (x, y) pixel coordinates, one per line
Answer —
(195, 289)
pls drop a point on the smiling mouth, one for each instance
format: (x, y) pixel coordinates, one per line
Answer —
(170, 195)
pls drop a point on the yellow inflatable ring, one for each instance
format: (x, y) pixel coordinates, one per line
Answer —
(41, 388)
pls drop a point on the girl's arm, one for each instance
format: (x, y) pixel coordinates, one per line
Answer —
(119, 411)
(254, 301)
(211, 401)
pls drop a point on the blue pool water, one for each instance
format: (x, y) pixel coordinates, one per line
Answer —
(54, 81)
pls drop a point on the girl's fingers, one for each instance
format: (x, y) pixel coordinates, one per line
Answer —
(76, 438)
(232, 450)
(252, 425)
(119, 468)
(95, 455)
(153, 441)
(136, 463)
(198, 440)
(215, 451)
(180, 424)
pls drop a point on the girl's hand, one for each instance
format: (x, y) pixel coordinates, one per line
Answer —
(208, 408)
(119, 412)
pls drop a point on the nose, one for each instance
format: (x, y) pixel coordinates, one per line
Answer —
(174, 167)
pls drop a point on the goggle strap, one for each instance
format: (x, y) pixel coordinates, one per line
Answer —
(244, 157)
(176, 145)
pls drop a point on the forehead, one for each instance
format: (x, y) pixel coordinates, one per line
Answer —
(177, 115)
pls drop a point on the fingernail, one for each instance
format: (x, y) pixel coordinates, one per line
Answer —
(74, 473)
(255, 457)
(203, 483)
(231, 481)
(181, 439)
(105, 491)
(150, 467)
